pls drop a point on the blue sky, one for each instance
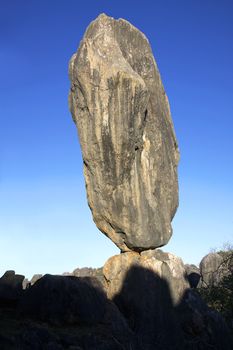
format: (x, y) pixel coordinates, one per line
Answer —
(45, 223)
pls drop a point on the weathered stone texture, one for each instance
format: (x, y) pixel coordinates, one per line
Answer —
(165, 267)
(212, 269)
(129, 148)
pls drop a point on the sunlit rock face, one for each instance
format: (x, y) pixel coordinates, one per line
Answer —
(129, 148)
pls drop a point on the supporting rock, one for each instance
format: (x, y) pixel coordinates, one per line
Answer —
(165, 268)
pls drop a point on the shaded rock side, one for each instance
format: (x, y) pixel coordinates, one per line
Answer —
(69, 300)
(65, 301)
(193, 275)
(129, 148)
(152, 292)
(202, 327)
(90, 272)
(165, 266)
(11, 288)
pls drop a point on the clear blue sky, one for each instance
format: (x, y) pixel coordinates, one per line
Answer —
(45, 223)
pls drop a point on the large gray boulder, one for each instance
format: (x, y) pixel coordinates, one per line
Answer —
(212, 269)
(129, 148)
(146, 288)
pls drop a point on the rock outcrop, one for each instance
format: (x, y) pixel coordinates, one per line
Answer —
(211, 269)
(152, 292)
(90, 272)
(35, 278)
(67, 300)
(148, 307)
(193, 275)
(11, 288)
(146, 287)
(163, 266)
(129, 148)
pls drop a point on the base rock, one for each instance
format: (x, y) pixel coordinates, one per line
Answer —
(162, 266)
(149, 306)
(151, 290)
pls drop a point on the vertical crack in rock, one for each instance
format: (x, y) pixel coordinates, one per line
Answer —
(128, 143)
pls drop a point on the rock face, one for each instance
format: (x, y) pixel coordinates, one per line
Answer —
(129, 148)
(139, 286)
(164, 267)
(152, 292)
(149, 307)
(11, 288)
(72, 301)
(212, 269)
(202, 327)
(35, 278)
(193, 275)
(90, 272)
(63, 299)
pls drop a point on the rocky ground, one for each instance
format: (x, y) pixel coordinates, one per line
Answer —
(136, 302)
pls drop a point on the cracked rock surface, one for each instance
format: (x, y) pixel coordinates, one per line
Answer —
(129, 148)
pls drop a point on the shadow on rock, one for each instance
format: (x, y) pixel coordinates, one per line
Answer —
(67, 312)
(64, 300)
(193, 279)
(10, 289)
(146, 303)
(202, 327)
(78, 310)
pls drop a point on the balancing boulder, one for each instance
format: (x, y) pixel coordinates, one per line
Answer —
(129, 148)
